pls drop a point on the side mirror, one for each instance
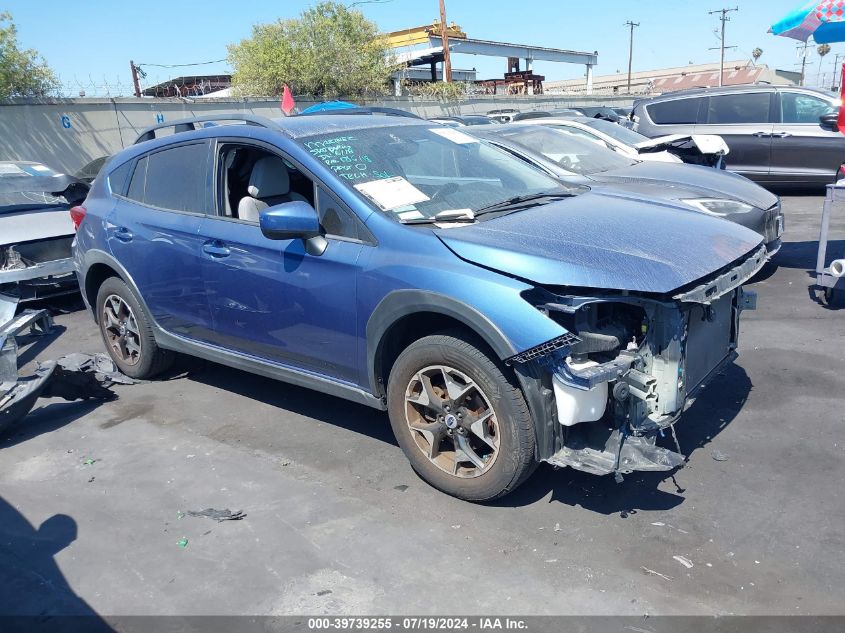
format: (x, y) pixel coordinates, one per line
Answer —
(829, 121)
(291, 221)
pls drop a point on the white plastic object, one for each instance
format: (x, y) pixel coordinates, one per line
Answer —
(837, 268)
(577, 405)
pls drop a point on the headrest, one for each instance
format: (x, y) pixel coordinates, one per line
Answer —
(269, 178)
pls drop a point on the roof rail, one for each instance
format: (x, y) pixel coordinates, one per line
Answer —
(186, 125)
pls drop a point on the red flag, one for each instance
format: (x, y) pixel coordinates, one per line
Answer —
(288, 103)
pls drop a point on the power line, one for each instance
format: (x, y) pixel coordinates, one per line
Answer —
(213, 61)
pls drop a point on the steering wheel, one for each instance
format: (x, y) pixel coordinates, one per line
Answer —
(446, 190)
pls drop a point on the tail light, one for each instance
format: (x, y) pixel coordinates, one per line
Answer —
(77, 214)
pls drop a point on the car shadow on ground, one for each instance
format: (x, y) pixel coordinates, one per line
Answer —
(30, 346)
(714, 409)
(45, 419)
(36, 596)
(803, 255)
(306, 402)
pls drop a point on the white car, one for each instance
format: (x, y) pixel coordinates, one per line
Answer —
(699, 149)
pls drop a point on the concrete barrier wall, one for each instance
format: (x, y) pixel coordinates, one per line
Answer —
(68, 133)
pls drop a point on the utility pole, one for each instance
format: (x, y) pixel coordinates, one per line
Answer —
(724, 18)
(834, 81)
(630, 50)
(803, 63)
(135, 81)
(444, 39)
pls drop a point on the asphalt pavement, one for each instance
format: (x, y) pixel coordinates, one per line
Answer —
(94, 498)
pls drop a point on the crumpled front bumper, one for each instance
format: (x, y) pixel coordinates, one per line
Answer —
(608, 414)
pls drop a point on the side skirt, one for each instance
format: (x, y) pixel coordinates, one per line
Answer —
(267, 368)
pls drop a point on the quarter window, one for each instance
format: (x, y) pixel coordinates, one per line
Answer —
(739, 108)
(117, 179)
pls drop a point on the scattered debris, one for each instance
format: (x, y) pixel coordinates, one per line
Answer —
(655, 573)
(100, 365)
(659, 523)
(686, 562)
(90, 461)
(218, 515)
(324, 592)
(92, 479)
(180, 515)
(182, 542)
(456, 527)
(557, 527)
(551, 560)
(401, 488)
(719, 456)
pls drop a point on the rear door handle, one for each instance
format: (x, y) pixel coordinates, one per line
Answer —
(762, 134)
(123, 234)
(781, 134)
(216, 249)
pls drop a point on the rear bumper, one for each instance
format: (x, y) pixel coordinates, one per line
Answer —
(40, 281)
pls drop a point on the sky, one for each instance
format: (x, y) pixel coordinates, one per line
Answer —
(91, 41)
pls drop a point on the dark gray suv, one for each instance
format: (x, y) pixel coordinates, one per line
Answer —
(777, 135)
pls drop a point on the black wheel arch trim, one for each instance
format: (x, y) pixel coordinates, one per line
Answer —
(402, 303)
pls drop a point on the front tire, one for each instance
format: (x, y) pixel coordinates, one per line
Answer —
(127, 332)
(460, 418)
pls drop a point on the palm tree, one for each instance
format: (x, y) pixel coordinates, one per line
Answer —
(822, 50)
(756, 53)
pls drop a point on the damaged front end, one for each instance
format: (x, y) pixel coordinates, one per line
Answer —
(629, 366)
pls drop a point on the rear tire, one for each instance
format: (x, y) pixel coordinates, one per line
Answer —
(127, 332)
(460, 418)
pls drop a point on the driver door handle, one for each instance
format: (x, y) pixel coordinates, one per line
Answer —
(762, 134)
(781, 134)
(216, 249)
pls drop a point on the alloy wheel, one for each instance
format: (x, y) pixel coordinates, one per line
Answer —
(452, 421)
(121, 329)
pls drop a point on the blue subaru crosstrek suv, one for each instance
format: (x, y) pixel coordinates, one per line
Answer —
(500, 318)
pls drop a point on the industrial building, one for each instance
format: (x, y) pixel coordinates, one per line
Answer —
(421, 49)
(678, 78)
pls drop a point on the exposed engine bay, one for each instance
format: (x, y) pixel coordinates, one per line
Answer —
(631, 365)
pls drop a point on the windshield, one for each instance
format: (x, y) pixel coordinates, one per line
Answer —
(614, 130)
(574, 154)
(416, 172)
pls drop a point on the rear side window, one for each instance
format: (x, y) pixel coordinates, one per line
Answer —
(801, 108)
(739, 108)
(675, 112)
(172, 179)
(117, 179)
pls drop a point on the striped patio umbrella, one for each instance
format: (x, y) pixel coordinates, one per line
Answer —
(824, 20)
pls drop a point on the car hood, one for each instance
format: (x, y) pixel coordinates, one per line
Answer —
(598, 241)
(704, 143)
(678, 181)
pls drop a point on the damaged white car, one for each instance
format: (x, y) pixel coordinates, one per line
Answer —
(696, 149)
(36, 230)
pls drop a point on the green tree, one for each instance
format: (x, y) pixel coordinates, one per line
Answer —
(756, 54)
(23, 73)
(329, 51)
